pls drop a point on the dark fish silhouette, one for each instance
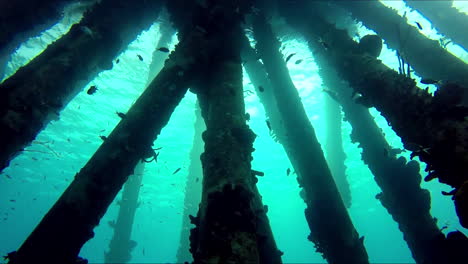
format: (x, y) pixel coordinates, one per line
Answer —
(120, 114)
(290, 56)
(261, 89)
(140, 57)
(117, 61)
(247, 116)
(428, 81)
(419, 25)
(163, 49)
(258, 173)
(268, 125)
(92, 90)
(299, 61)
(103, 138)
(288, 171)
(176, 171)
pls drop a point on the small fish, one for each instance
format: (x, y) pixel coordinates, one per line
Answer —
(120, 114)
(261, 89)
(163, 49)
(68, 140)
(419, 25)
(103, 138)
(176, 171)
(288, 171)
(268, 125)
(117, 61)
(92, 90)
(258, 173)
(12, 200)
(247, 116)
(158, 148)
(290, 56)
(140, 57)
(197, 179)
(299, 61)
(8, 176)
(428, 81)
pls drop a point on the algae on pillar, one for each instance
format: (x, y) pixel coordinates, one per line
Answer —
(230, 226)
(331, 228)
(37, 92)
(433, 127)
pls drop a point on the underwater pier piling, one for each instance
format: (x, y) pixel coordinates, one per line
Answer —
(443, 144)
(332, 231)
(69, 224)
(445, 18)
(37, 92)
(121, 245)
(401, 195)
(335, 154)
(426, 56)
(230, 225)
(193, 189)
(158, 57)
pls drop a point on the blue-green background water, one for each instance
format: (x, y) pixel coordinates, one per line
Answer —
(37, 177)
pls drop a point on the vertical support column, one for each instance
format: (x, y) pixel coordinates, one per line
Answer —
(331, 228)
(192, 189)
(334, 149)
(121, 245)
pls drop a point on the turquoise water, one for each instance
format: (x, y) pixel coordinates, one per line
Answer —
(37, 177)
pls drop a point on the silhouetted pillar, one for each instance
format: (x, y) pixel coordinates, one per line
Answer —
(192, 189)
(445, 18)
(166, 33)
(37, 92)
(409, 110)
(69, 224)
(121, 245)
(231, 226)
(331, 228)
(334, 149)
(426, 56)
(401, 195)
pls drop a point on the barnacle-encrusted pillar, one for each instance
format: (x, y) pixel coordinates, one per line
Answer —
(401, 195)
(334, 149)
(192, 189)
(434, 128)
(331, 228)
(121, 245)
(37, 92)
(426, 56)
(445, 18)
(231, 225)
(70, 222)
